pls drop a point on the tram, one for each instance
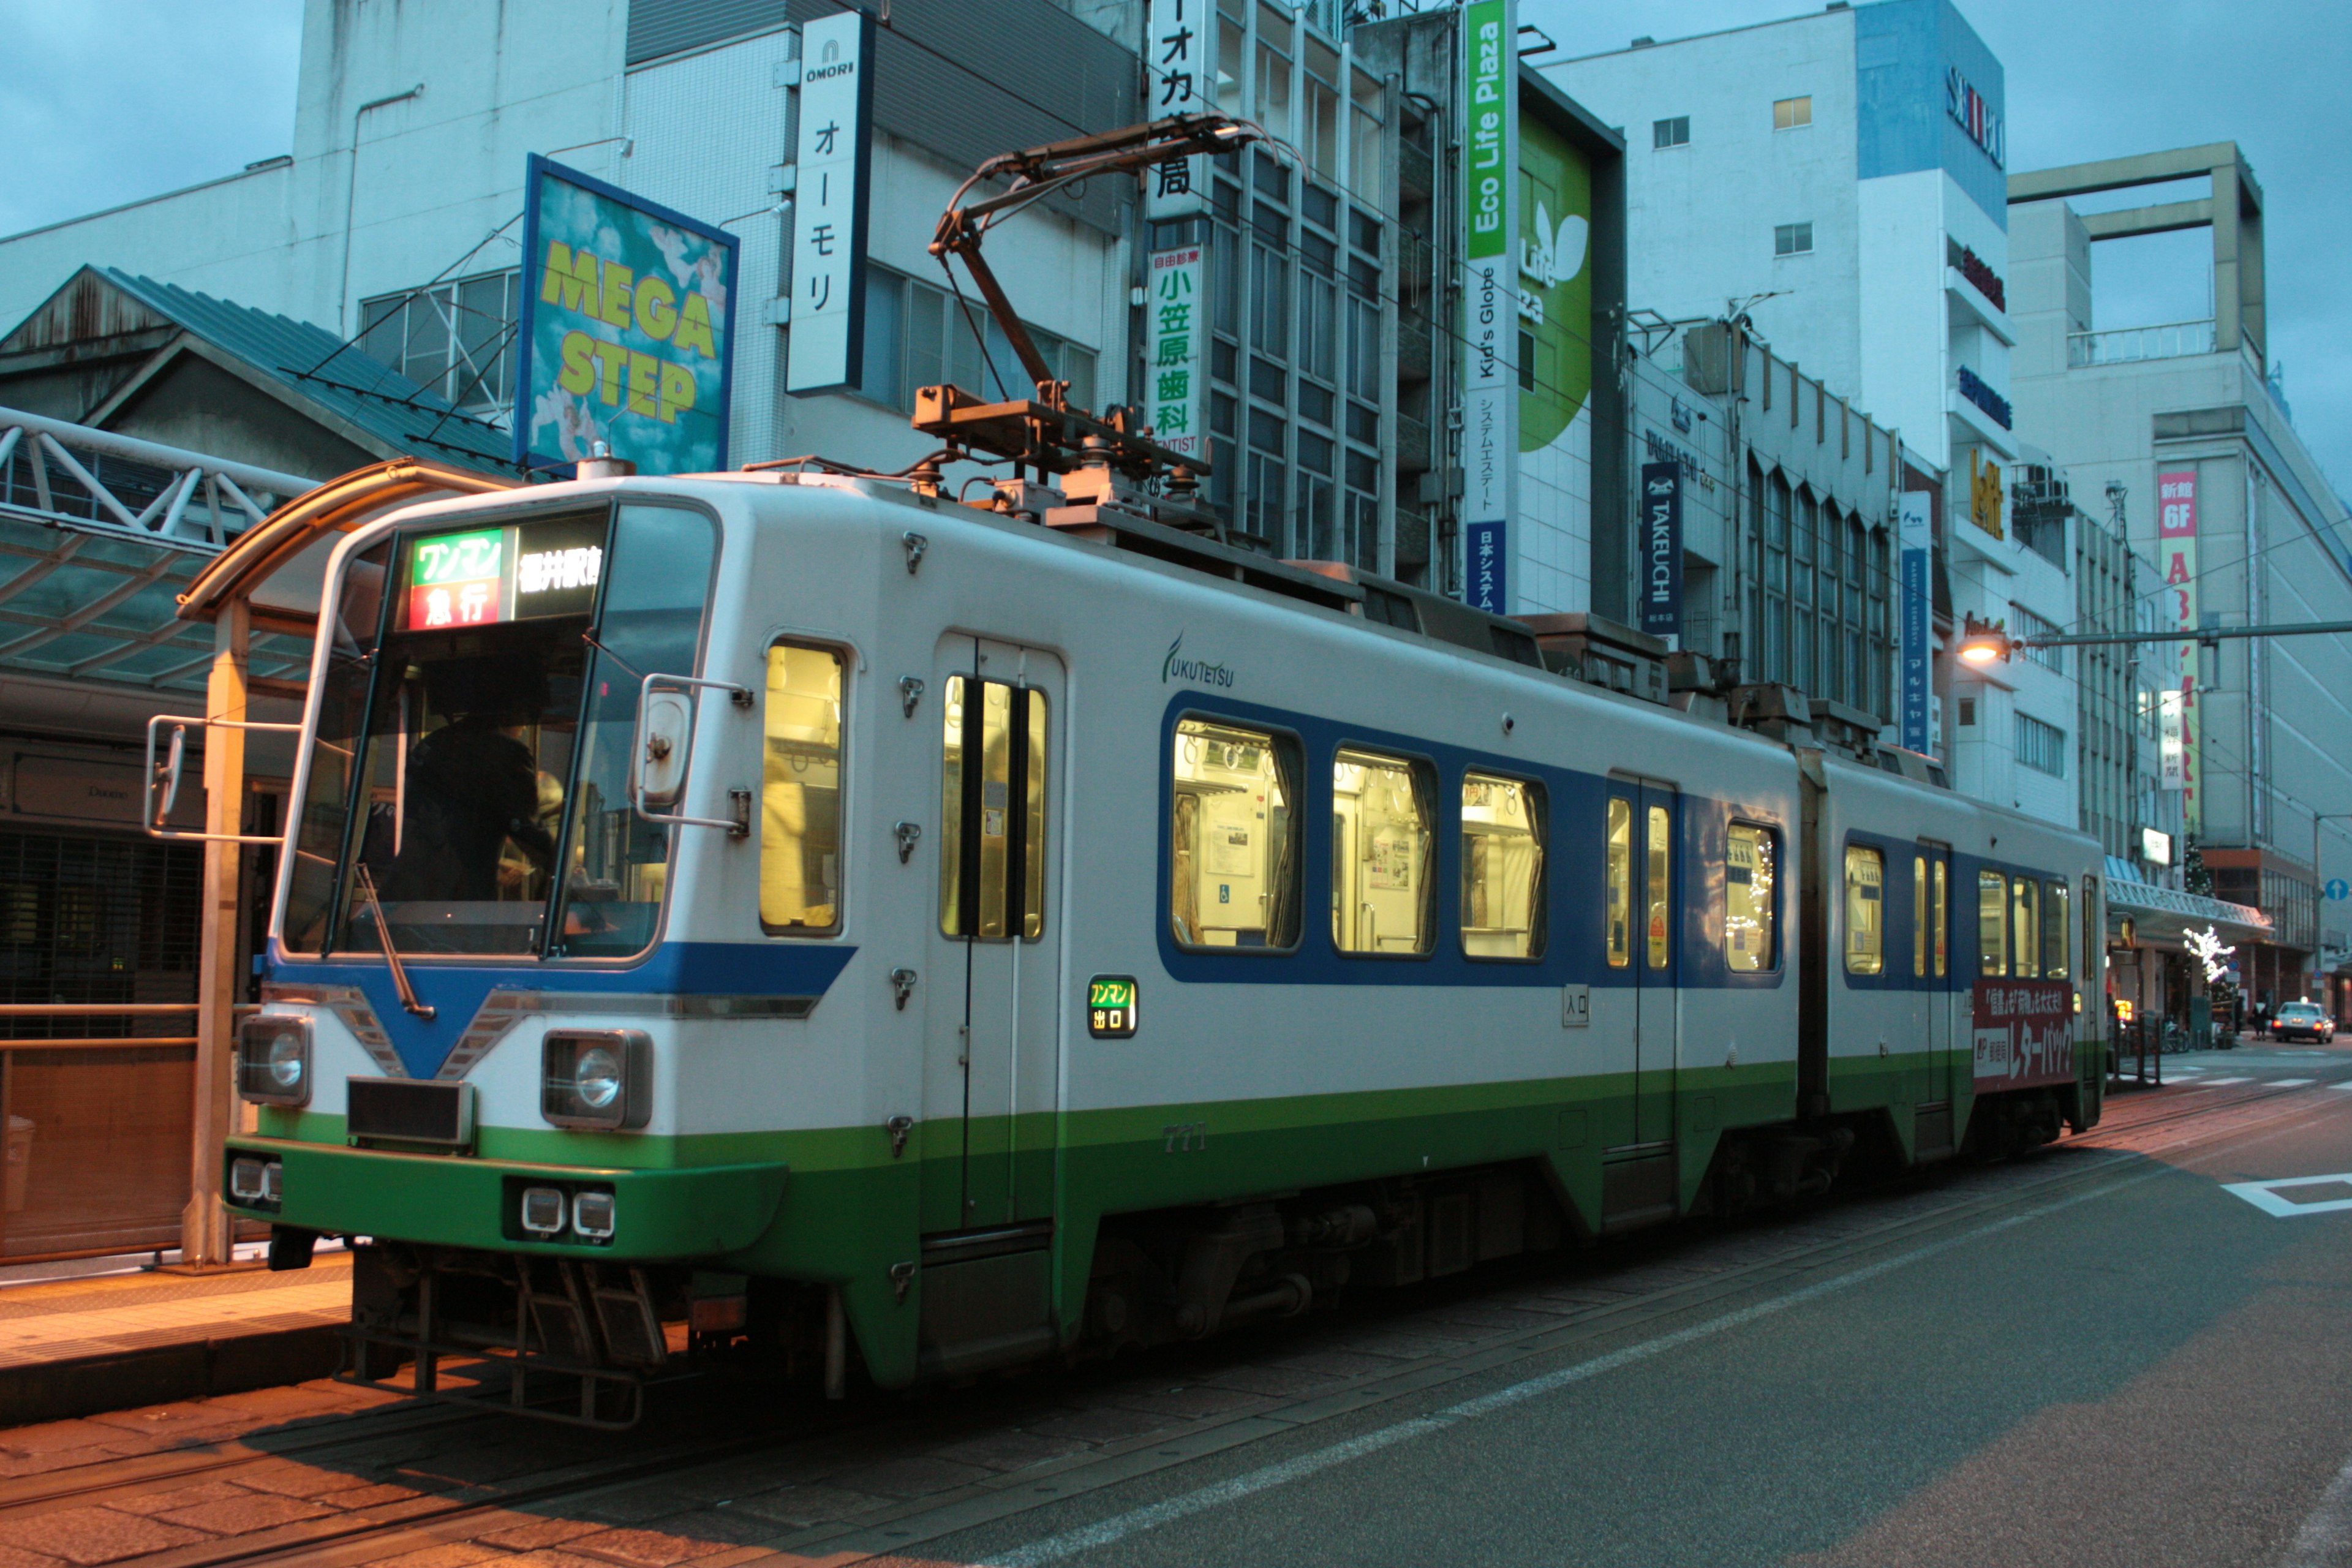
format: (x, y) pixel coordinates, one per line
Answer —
(797, 917)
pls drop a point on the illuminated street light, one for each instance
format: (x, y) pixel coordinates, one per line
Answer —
(1984, 642)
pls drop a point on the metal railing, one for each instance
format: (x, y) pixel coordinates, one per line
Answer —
(74, 477)
(2129, 345)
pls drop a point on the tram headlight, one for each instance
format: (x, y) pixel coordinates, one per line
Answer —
(254, 1183)
(596, 1078)
(542, 1211)
(273, 1060)
(591, 1215)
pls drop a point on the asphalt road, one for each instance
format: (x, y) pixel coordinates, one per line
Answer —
(2135, 1366)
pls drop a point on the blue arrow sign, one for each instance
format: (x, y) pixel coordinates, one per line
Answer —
(2338, 887)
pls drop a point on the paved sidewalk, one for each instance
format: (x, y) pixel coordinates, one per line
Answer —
(70, 1347)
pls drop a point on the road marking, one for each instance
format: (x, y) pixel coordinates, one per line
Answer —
(2345, 1084)
(2290, 1082)
(2326, 1539)
(1118, 1527)
(2215, 1082)
(2267, 1195)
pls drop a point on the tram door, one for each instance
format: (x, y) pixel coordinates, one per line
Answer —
(1642, 848)
(1931, 962)
(992, 1054)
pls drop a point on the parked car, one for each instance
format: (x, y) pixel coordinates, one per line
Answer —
(2303, 1021)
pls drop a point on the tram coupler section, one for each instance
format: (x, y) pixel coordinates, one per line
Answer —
(577, 1341)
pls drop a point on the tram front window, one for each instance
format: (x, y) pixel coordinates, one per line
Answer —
(481, 774)
(469, 747)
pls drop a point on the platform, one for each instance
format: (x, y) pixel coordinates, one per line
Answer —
(76, 1346)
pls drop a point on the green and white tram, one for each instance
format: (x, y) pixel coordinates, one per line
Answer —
(796, 915)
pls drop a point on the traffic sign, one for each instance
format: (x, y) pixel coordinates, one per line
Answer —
(2338, 887)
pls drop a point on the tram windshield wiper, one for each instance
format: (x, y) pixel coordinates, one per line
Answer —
(366, 884)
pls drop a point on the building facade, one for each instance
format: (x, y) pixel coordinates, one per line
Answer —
(2218, 491)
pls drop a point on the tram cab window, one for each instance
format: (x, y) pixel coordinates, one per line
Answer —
(2024, 928)
(1749, 893)
(1232, 838)
(992, 811)
(2053, 932)
(1992, 923)
(1502, 867)
(1865, 910)
(1618, 873)
(1382, 849)
(800, 792)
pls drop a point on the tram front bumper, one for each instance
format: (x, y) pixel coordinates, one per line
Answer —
(694, 1212)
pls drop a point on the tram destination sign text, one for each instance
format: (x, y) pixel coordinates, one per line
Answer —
(483, 576)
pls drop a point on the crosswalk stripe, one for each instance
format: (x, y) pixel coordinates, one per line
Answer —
(2290, 1082)
(2214, 1082)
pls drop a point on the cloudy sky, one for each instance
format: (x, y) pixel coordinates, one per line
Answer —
(109, 100)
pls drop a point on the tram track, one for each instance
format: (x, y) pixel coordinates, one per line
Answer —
(559, 1489)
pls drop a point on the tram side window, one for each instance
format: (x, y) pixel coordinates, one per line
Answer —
(1233, 837)
(1993, 923)
(992, 810)
(1865, 910)
(2053, 932)
(800, 792)
(2024, 928)
(1502, 867)
(1661, 888)
(1381, 849)
(1749, 936)
(1619, 874)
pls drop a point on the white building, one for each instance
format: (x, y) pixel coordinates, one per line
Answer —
(2259, 536)
(1839, 177)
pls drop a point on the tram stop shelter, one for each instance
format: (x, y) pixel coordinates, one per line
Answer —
(271, 580)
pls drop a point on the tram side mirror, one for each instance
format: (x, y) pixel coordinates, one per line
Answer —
(164, 782)
(666, 736)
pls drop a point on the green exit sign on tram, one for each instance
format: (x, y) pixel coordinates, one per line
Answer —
(1110, 1006)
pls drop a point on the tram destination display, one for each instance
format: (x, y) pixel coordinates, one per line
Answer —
(484, 576)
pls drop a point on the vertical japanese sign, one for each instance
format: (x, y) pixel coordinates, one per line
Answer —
(1490, 188)
(2176, 529)
(1915, 537)
(829, 204)
(1662, 551)
(1179, 74)
(1179, 341)
(627, 329)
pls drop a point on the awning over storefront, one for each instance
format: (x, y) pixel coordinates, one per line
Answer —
(2162, 916)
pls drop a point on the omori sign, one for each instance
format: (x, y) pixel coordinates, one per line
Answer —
(627, 334)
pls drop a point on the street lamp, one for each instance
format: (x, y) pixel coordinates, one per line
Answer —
(1984, 643)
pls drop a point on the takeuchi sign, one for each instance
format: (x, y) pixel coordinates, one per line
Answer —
(2023, 1034)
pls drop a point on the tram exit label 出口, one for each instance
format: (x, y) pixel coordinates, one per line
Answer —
(483, 576)
(1110, 1006)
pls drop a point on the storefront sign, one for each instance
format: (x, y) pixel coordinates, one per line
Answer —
(1662, 551)
(1490, 186)
(2023, 1033)
(627, 329)
(829, 205)
(2175, 526)
(1179, 76)
(1179, 339)
(1975, 116)
(1916, 539)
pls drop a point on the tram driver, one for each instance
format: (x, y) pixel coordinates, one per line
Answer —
(475, 809)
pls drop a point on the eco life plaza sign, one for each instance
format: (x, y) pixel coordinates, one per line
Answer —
(1490, 381)
(627, 334)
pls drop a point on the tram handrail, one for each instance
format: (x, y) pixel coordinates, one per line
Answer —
(737, 827)
(151, 814)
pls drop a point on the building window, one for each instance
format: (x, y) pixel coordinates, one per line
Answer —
(1792, 240)
(1792, 113)
(2042, 747)
(454, 340)
(916, 336)
(1675, 132)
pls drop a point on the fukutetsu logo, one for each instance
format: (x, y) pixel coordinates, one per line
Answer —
(1193, 671)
